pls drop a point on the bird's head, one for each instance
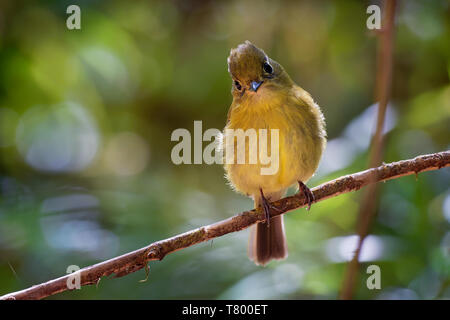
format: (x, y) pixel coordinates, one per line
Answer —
(251, 70)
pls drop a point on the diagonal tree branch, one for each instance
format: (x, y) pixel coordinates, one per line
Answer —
(136, 260)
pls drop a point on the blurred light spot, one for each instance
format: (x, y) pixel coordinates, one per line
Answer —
(338, 154)
(267, 284)
(106, 63)
(398, 294)
(8, 123)
(423, 20)
(109, 73)
(446, 207)
(69, 202)
(342, 249)
(427, 285)
(255, 286)
(224, 255)
(62, 138)
(361, 129)
(205, 214)
(64, 233)
(287, 278)
(355, 139)
(76, 229)
(127, 154)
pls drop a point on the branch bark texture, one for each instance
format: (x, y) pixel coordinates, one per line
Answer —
(138, 259)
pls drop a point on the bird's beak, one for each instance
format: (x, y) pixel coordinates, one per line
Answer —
(255, 85)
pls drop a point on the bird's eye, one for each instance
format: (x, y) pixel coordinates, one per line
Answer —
(237, 84)
(267, 67)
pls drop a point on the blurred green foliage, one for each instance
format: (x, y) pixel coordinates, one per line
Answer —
(86, 118)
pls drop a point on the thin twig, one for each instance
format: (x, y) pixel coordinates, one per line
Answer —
(133, 261)
(367, 208)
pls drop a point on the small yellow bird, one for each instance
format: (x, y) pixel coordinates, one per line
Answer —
(265, 97)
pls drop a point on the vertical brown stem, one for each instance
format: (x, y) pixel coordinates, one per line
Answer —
(383, 87)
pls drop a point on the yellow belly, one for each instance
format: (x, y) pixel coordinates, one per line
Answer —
(300, 148)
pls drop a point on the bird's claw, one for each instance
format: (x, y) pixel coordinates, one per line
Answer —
(309, 196)
(266, 205)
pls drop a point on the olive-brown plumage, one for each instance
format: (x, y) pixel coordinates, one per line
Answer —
(265, 97)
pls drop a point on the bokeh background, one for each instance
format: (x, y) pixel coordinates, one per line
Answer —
(86, 118)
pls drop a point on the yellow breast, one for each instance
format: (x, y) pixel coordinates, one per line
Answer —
(301, 140)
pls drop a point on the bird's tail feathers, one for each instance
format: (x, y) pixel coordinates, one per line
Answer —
(267, 242)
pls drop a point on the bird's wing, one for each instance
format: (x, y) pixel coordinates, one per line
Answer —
(303, 96)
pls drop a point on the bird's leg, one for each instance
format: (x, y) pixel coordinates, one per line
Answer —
(307, 193)
(265, 204)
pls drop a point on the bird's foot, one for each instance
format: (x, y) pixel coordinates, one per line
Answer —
(309, 196)
(266, 206)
